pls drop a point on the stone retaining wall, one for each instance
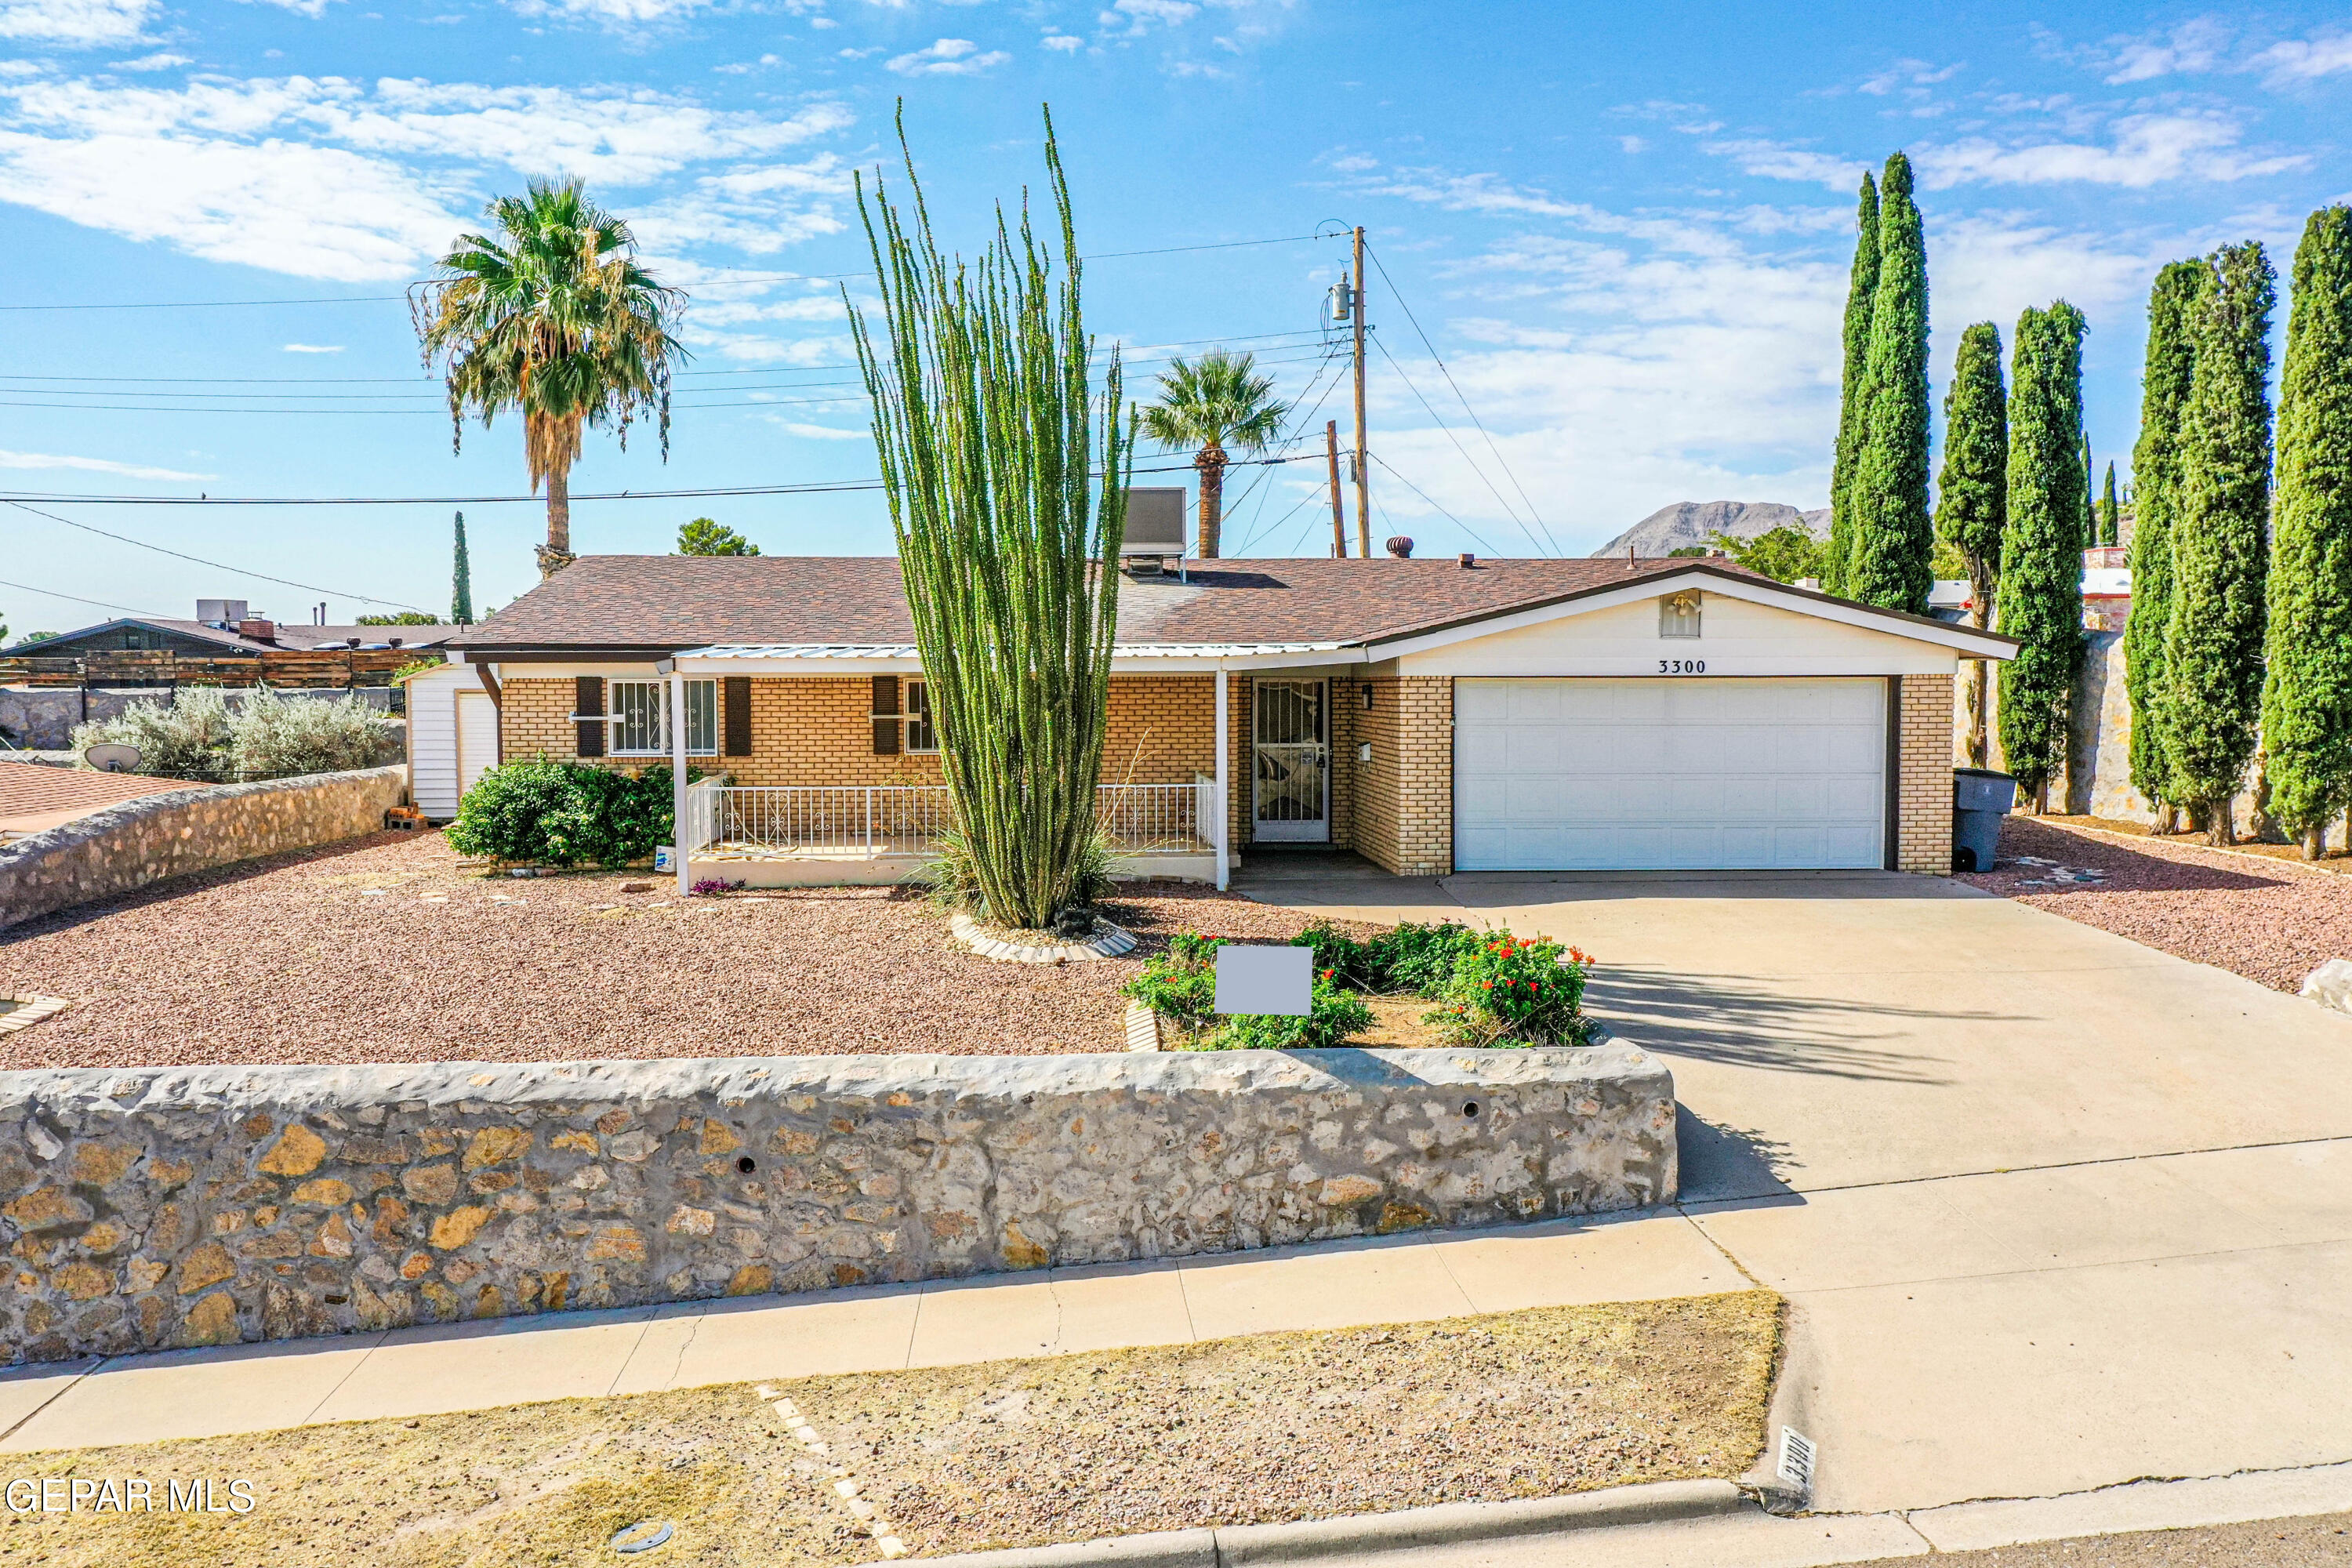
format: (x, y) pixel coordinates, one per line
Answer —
(126, 847)
(201, 1205)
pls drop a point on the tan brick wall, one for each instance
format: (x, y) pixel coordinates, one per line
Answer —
(817, 729)
(1402, 800)
(1923, 821)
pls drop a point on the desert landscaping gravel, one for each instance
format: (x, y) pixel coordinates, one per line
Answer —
(387, 949)
(1259, 1429)
(2269, 919)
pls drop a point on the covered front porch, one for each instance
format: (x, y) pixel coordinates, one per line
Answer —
(832, 772)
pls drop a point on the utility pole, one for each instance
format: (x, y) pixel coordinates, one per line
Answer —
(1338, 511)
(1363, 471)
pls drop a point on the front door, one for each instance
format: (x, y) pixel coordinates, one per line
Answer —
(1293, 762)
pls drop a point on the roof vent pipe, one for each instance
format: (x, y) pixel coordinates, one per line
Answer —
(1401, 547)
(1467, 560)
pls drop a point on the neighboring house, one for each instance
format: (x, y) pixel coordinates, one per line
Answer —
(224, 630)
(1434, 715)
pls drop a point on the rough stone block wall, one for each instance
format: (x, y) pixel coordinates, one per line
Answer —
(204, 1205)
(1923, 823)
(127, 847)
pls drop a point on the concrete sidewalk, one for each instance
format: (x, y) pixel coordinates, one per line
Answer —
(417, 1371)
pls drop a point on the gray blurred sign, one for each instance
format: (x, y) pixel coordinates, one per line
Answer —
(1276, 980)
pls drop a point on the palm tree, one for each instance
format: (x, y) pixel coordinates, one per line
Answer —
(1218, 404)
(549, 316)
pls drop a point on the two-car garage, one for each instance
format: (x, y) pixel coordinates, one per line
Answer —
(1676, 773)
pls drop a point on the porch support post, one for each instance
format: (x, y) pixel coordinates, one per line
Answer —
(1224, 783)
(677, 830)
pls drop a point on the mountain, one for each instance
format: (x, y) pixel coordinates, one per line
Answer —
(1689, 522)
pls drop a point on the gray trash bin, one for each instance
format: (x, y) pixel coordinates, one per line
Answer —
(1980, 798)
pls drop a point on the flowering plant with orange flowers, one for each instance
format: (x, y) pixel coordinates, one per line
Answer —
(1508, 990)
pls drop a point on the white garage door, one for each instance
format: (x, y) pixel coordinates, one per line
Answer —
(1672, 775)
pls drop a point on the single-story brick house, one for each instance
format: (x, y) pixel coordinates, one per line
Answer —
(1435, 715)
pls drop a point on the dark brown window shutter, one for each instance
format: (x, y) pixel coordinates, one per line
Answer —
(886, 715)
(735, 692)
(589, 698)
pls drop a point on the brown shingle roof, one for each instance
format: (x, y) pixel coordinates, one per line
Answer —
(677, 602)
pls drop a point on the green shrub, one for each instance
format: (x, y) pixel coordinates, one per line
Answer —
(1180, 985)
(1419, 959)
(1334, 950)
(188, 734)
(1517, 991)
(270, 734)
(565, 814)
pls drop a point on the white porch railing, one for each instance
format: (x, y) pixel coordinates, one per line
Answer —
(816, 821)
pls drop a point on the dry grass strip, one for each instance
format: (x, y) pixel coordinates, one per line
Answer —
(1257, 1429)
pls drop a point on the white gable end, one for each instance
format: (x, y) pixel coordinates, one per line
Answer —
(1737, 637)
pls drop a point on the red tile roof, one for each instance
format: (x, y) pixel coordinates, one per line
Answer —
(677, 602)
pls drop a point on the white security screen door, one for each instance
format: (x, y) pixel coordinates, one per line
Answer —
(1293, 762)
(1669, 774)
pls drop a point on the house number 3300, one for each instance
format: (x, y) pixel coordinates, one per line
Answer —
(1682, 667)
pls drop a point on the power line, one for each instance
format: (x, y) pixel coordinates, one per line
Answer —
(1509, 510)
(754, 370)
(707, 283)
(1442, 370)
(217, 565)
(77, 598)
(1257, 533)
(834, 487)
(1424, 494)
(292, 400)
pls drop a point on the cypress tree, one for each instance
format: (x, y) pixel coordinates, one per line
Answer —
(2108, 512)
(2155, 502)
(2307, 695)
(1972, 496)
(461, 580)
(1853, 399)
(2213, 639)
(1894, 542)
(2040, 598)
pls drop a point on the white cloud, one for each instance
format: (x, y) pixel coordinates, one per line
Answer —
(619, 14)
(313, 348)
(153, 63)
(949, 56)
(2147, 150)
(333, 179)
(1990, 267)
(94, 466)
(1778, 161)
(1062, 42)
(311, 9)
(1138, 12)
(1632, 144)
(2305, 60)
(1911, 78)
(2194, 46)
(75, 23)
(824, 432)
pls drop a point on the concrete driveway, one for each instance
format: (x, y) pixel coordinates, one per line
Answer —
(2054, 1210)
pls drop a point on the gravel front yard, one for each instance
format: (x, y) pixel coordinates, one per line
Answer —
(384, 949)
(1253, 1430)
(2268, 918)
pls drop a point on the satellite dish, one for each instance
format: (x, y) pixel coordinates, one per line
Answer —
(112, 759)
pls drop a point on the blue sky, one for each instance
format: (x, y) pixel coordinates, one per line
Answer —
(1624, 228)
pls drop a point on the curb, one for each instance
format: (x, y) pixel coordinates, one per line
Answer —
(1313, 1540)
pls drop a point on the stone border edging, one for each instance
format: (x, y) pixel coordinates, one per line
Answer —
(33, 1009)
(1441, 1524)
(1108, 942)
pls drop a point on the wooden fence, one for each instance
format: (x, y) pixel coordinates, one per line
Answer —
(327, 668)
